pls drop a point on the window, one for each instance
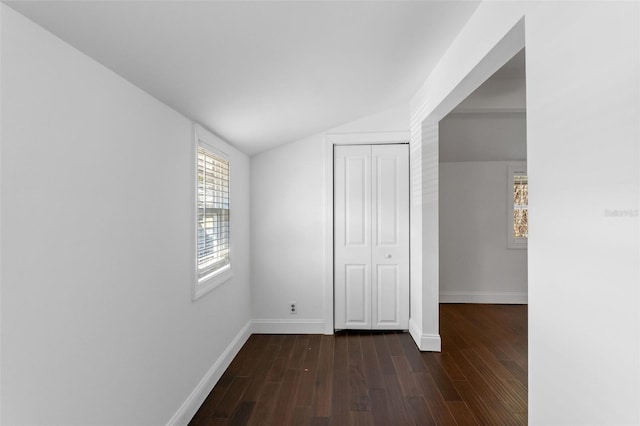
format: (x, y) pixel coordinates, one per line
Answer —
(518, 202)
(213, 248)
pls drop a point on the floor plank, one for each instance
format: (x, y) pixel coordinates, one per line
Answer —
(284, 406)
(265, 404)
(418, 411)
(357, 390)
(231, 398)
(321, 405)
(339, 395)
(461, 413)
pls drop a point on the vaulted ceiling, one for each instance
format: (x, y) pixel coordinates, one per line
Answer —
(504, 91)
(263, 73)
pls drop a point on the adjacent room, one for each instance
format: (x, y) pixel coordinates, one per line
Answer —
(311, 212)
(482, 170)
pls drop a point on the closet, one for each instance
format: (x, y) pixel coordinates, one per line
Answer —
(371, 237)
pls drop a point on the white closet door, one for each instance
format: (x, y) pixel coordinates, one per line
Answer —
(352, 238)
(371, 239)
(390, 237)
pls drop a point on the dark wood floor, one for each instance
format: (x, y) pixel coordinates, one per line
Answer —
(363, 378)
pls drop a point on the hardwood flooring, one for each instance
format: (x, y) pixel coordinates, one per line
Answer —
(375, 378)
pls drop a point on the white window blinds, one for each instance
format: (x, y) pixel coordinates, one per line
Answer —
(213, 213)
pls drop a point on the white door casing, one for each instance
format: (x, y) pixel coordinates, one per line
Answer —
(371, 241)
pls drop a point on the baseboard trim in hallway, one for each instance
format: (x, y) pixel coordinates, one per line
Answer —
(286, 326)
(425, 342)
(191, 405)
(484, 297)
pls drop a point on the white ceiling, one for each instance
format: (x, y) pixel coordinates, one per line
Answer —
(260, 74)
(504, 91)
(491, 123)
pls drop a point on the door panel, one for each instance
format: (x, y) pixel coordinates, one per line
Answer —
(356, 198)
(386, 202)
(371, 236)
(357, 296)
(352, 239)
(388, 293)
(390, 250)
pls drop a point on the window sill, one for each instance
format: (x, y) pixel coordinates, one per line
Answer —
(205, 284)
(514, 244)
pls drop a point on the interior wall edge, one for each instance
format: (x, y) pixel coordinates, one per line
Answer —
(425, 342)
(2, 6)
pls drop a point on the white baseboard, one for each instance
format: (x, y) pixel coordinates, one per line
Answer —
(425, 342)
(189, 408)
(288, 326)
(483, 297)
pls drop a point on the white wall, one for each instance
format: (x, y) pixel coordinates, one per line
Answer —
(424, 216)
(583, 71)
(583, 109)
(98, 325)
(475, 264)
(497, 94)
(483, 137)
(1, 117)
(288, 209)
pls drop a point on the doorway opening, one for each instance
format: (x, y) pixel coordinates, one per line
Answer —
(483, 229)
(483, 193)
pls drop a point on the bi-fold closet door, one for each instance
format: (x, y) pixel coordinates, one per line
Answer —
(371, 237)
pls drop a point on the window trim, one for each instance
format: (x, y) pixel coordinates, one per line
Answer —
(203, 285)
(514, 168)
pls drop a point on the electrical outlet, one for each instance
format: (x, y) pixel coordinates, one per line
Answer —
(293, 308)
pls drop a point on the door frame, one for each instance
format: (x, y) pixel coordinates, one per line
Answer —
(331, 140)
